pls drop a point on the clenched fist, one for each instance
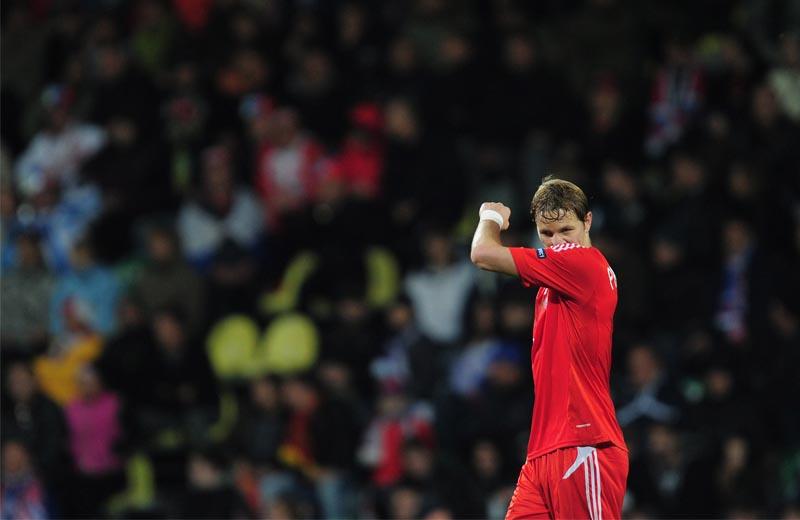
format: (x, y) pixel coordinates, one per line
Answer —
(500, 208)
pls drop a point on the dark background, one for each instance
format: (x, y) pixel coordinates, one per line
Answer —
(235, 276)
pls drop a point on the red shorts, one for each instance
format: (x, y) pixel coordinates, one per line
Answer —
(578, 482)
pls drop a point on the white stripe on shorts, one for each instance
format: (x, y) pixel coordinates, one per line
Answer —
(588, 494)
(599, 490)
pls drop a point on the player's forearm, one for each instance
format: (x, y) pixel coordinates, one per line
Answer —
(486, 234)
(488, 252)
(485, 239)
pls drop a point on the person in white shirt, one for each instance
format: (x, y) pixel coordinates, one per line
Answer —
(57, 152)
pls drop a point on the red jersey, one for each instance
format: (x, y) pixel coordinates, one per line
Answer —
(571, 350)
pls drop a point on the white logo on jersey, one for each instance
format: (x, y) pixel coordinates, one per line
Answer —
(612, 278)
(565, 247)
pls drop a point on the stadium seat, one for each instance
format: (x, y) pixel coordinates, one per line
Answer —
(290, 344)
(228, 415)
(231, 346)
(287, 295)
(140, 493)
(383, 277)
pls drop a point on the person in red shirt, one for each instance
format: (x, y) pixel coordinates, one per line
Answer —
(577, 460)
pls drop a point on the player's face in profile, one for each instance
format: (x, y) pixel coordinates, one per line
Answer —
(568, 229)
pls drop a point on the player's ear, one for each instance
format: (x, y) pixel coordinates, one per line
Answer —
(587, 220)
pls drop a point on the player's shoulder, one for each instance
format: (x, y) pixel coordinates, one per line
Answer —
(575, 249)
(576, 253)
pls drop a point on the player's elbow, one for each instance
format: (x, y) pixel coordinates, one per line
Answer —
(481, 257)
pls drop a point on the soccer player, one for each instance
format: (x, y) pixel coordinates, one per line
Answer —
(577, 461)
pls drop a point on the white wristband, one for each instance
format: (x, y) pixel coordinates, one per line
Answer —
(490, 214)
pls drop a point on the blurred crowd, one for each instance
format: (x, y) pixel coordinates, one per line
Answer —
(235, 273)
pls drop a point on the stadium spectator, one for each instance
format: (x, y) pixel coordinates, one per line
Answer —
(314, 86)
(29, 285)
(28, 414)
(405, 503)
(491, 479)
(117, 77)
(121, 363)
(360, 163)
(768, 138)
(178, 398)
(402, 73)
(184, 109)
(289, 167)
(130, 169)
(612, 133)
(605, 32)
(722, 394)
(678, 93)
(210, 494)
(57, 153)
(167, 281)
(397, 421)
(351, 337)
(337, 425)
(260, 429)
(469, 368)
(23, 495)
(302, 399)
(514, 313)
(94, 430)
(650, 396)
(733, 307)
(357, 42)
(524, 102)
(408, 358)
(658, 475)
(784, 78)
(8, 217)
(222, 213)
(89, 293)
(418, 168)
(61, 219)
(439, 292)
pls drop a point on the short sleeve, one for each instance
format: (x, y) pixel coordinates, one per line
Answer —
(564, 269)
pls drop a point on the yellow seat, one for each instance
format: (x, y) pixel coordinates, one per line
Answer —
(290, 344)
(383, 277)
(140, 493)
(287, 295)
(465, 227)
(231, 346)
(228, 414)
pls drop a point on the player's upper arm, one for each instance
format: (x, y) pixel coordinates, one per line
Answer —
(565, 269)
(495, 258)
